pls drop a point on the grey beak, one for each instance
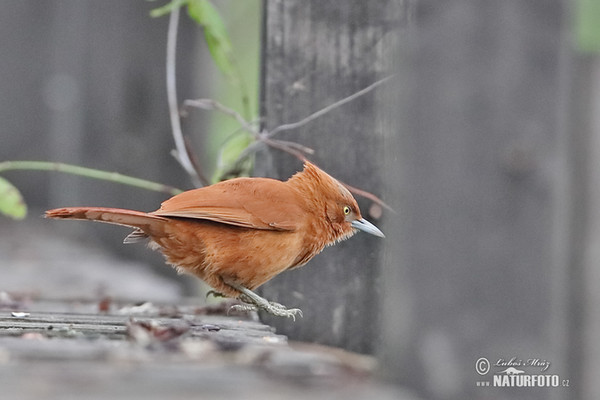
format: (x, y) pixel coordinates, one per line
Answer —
(365, 226)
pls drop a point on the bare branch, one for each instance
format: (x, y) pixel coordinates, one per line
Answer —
(194, 161)
(368, 195)
(181, 153)
(276, 144)
(327, 109)
(296, 146)
(210, 104)
(293, 148)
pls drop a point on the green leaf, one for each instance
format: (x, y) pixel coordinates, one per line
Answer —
(167, 8)
(11, 201)
(229, 154)
(215, 34)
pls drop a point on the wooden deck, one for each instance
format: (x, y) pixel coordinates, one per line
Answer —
(104, 350)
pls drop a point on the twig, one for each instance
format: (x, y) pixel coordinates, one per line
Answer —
(295, 145)
(327, 109)
(210, 104)
(265, 136)
(194, 160)
(368, 195)
(181, 154)
(88, 173)
(213, 105)
(281, 145)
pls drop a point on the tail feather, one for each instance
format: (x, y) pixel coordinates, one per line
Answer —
(149, 224)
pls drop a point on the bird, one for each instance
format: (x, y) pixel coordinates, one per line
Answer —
(237, 234)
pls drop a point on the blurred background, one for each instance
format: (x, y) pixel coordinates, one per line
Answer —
(84, 84)
(485, 144)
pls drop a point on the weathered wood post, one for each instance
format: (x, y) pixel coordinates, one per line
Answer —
(479, 166)
(315, 53)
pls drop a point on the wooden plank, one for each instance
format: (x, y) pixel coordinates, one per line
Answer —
(316, 53)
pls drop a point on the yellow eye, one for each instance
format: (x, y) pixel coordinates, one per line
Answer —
(346, 210)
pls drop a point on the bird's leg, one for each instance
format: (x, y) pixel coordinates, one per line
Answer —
(255, 302)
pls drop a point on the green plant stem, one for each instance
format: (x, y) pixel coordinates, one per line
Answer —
(88, 173)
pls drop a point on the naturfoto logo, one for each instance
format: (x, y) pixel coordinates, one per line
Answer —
(518, 372)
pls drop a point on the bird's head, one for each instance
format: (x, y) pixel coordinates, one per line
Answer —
(339, 207)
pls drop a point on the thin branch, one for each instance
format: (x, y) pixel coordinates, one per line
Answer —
(283, 147)
(368, 195)
(194, 160)
(213, 105)
(88, 173)
(254, 147)
(181, 153)
(210, 105)
(327, 109)
(295, 145)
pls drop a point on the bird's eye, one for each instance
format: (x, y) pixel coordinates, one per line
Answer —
(346, 210)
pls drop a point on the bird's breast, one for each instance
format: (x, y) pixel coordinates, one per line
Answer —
(212, 250)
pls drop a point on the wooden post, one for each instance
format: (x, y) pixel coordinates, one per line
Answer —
(584, 326)
(478, 165)
(315, 53)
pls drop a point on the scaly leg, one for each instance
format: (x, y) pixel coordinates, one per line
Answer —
(255, 302)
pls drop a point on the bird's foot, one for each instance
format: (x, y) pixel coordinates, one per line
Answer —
(242, 308)
(280, 310)
(273, 308)
(254, 303)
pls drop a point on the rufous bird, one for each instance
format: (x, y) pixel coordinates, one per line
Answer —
(237, 234)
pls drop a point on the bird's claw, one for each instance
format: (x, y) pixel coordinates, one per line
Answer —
(279, 310)
(254, 303)
(271, 307)
(215, 294)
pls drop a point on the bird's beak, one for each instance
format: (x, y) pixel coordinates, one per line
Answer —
(365, 226)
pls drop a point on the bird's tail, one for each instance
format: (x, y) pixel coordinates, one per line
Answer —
(146, 224)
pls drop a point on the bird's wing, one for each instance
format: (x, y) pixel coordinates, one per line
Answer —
(258, 203)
